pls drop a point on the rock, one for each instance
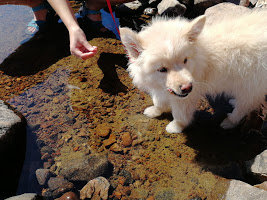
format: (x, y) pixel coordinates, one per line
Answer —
(131, 8)
(258, 166)
(261, 4)
(111, 140)
(84, 167)
(42, 176)
(46, 149)
(171, 8)
(12, 148)
(97, 187)
(150, 11)
(55, 183)
(103, 130)
(126, 139)
(69, 196)
(116, 148)
(241, 190)
(26, 196)
(262, 185)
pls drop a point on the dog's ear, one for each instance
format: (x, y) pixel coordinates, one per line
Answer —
(131, 42)
(195, 28)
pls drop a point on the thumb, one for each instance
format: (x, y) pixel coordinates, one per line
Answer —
(89, 47)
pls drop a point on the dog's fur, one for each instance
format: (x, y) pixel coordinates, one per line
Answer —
(227, 56)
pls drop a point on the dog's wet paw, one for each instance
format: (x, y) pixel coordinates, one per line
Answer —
(174, 127)
(152, 112)
(227, 124)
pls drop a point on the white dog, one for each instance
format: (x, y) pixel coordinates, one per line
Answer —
(178, 61)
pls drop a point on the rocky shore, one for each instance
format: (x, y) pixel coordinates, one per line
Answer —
(85, 119)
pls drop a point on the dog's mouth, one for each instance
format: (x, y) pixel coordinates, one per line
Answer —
(179, 95)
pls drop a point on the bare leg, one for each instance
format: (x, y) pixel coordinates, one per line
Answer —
(99, 4)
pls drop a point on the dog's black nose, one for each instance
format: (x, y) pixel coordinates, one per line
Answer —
(186, 88)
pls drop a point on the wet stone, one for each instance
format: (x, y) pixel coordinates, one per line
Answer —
(95, 189)
(46, 149)
(103, 130)
(42, 176)
(55, 183)
(84, 168)
(126, 139)
(69, 196)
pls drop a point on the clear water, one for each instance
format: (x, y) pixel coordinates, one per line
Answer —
(13, 22)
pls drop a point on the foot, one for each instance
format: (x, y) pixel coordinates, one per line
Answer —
(153, 111)
(39, 19)
(174, 127)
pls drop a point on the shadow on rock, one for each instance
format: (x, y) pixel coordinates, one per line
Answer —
(107, 63)
(224, 151)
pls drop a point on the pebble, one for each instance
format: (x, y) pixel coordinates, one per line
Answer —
(262, 185)
(116, 148)
(69, 196)
(126, 139)
(42, 176)
(95, 189)
(103, 130)
(55, 183)
(111, 140)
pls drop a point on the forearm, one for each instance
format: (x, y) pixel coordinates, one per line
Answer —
(65, 12)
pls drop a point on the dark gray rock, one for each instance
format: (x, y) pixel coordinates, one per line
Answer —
(84, 167)
(26, 196)
(171, 8)
(12, 148)
(241, 190)
(43, 175)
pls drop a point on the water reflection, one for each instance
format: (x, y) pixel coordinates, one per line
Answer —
(13, 22)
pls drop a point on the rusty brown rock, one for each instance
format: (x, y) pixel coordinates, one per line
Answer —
(126, 139)
(111, 140)
(95, 189)
(103, 130)
(116, 148)
(69, 196)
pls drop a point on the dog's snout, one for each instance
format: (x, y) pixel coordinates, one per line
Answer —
(186, 88)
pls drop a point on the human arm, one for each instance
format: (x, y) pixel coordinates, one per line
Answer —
(79, 46)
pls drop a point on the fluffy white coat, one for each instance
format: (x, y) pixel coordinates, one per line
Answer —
(178, 61)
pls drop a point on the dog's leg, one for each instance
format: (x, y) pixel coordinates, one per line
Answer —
(182, 116)
(242, 108)
(160, 105)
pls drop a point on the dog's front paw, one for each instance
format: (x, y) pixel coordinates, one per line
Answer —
(174, 127)
(227, 124)
(152, 111)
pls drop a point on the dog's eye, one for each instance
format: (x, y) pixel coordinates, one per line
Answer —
(163, 69)
(185, 60)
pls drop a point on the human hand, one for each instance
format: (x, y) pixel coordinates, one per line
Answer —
(79, 46)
